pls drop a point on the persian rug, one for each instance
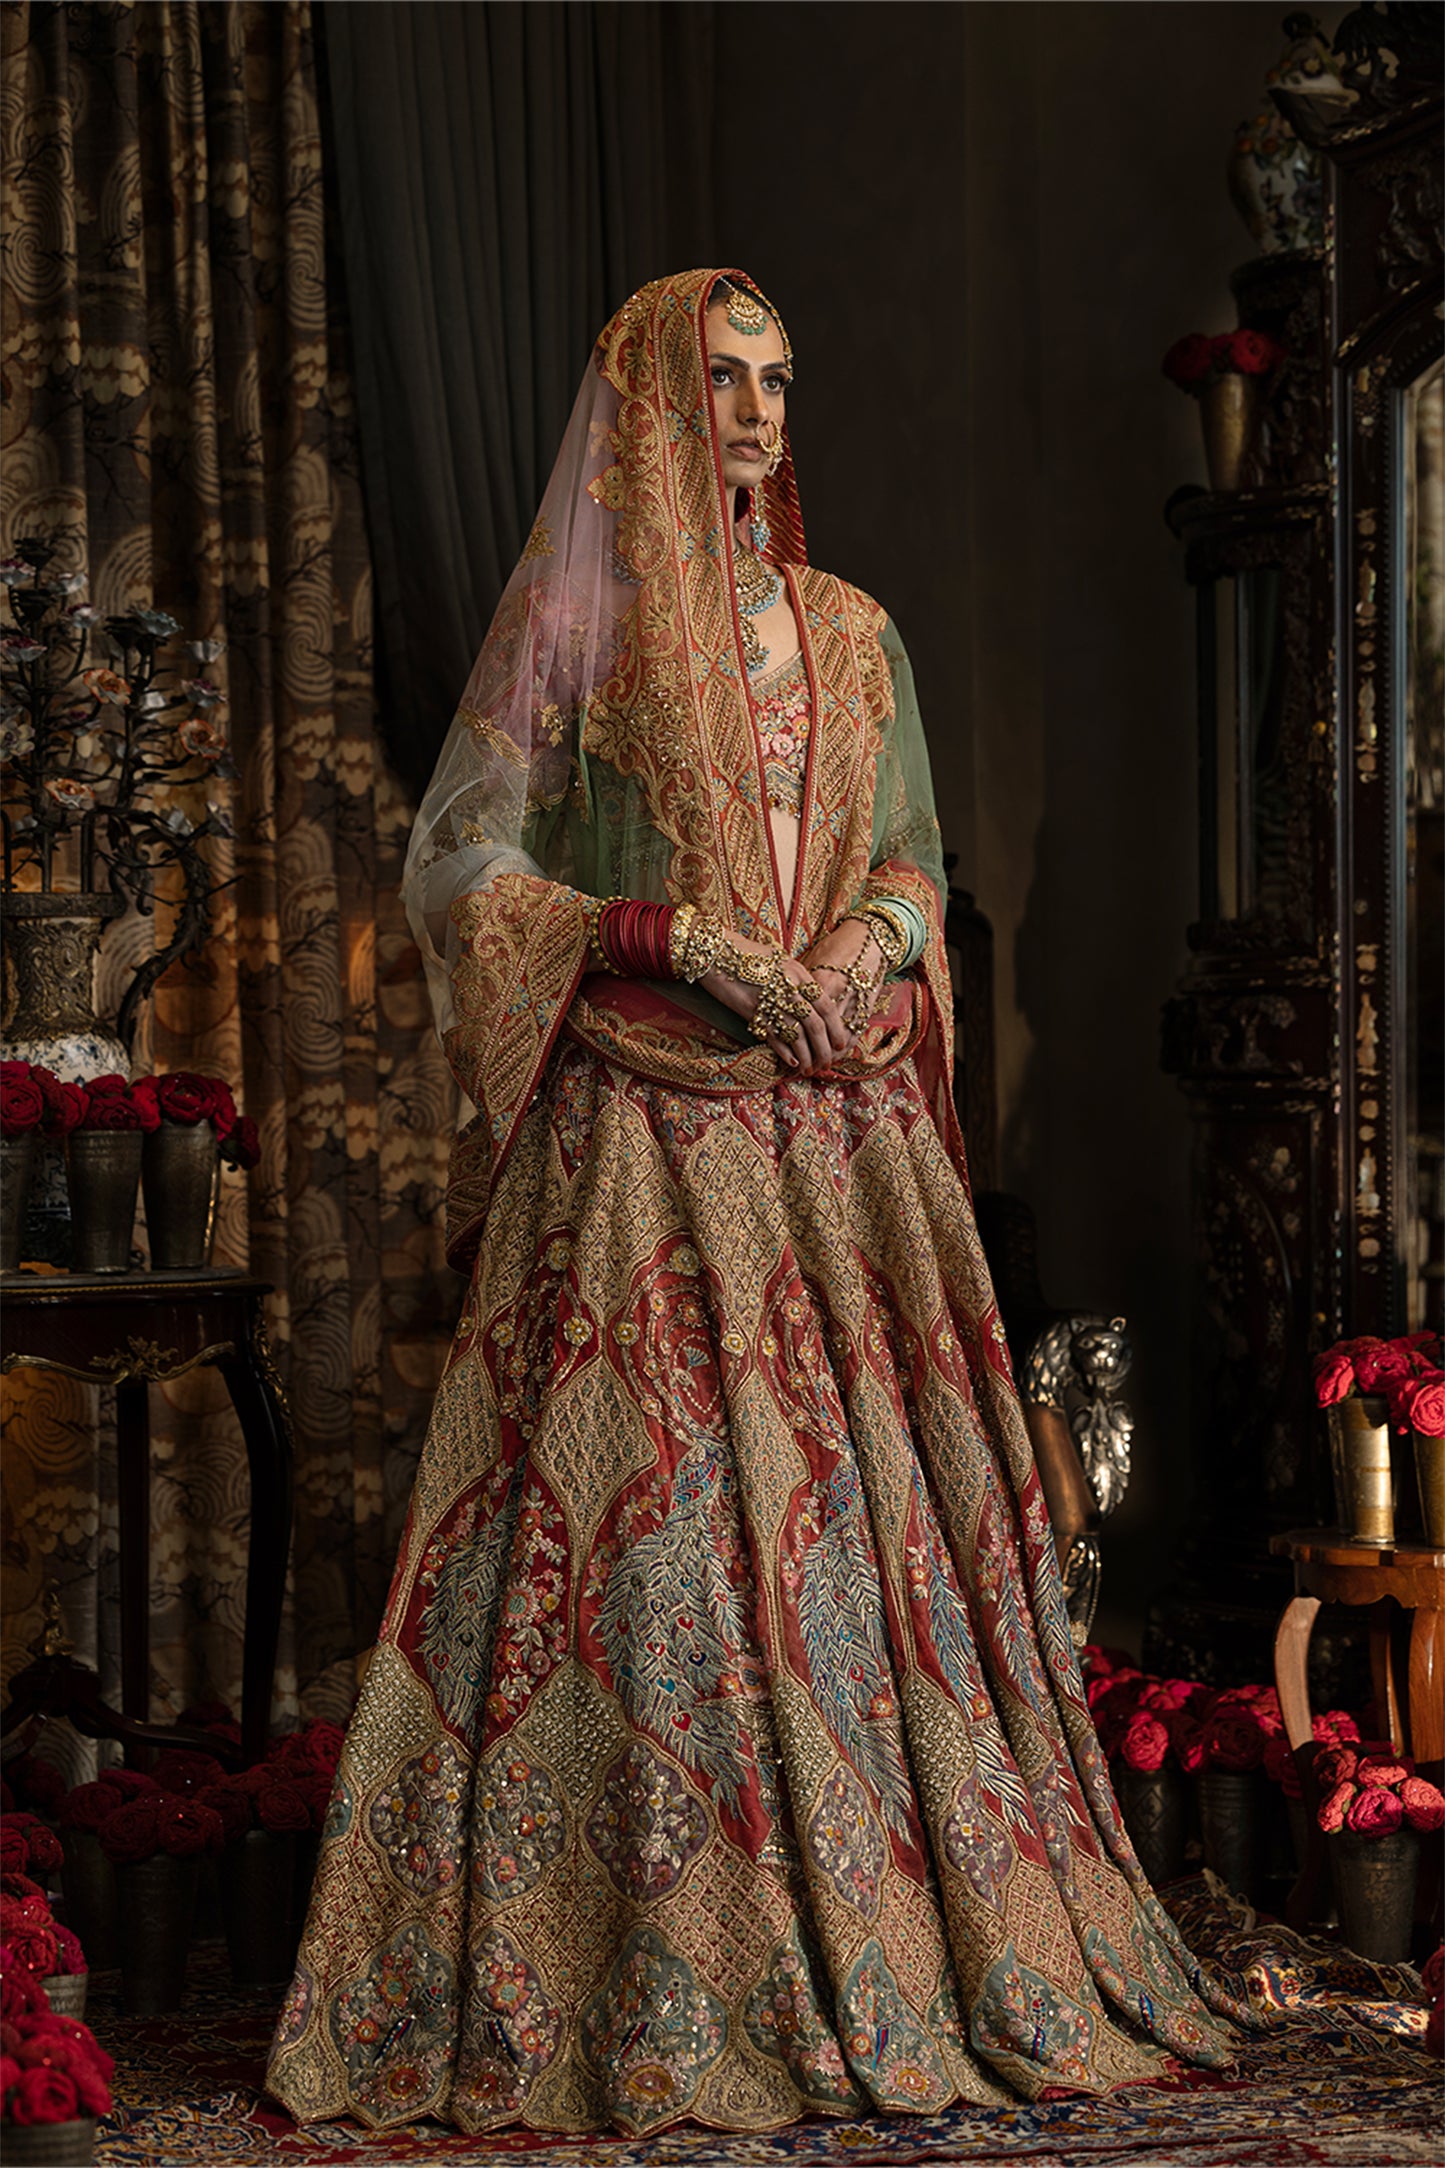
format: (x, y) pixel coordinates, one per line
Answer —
(1336, 2076)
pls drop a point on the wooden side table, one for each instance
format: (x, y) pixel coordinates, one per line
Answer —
(1330, 1567)
(132, 1330)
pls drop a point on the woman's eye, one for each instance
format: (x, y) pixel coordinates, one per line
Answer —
(722, 378)
(777, 384)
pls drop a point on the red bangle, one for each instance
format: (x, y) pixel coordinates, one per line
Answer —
(634, 939)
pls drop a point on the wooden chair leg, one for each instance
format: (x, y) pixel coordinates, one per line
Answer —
(1427, 1687)
(1291, 1666)
(1382, 1673)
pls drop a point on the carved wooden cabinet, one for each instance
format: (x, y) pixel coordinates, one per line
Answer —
(1306, 1034)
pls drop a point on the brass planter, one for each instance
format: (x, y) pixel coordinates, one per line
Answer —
(65, 1992)
(1430, 1477)
(156, 1903)
(180, 1169)
(17, 1159)
(88, 1880)
(1375, 1889)
(1360, 1464)
(59, 2145)
(1229, 414)
(103, 1174)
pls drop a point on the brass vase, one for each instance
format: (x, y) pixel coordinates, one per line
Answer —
(88, 1880)
(65, 1992)
(180, 1169)
(1229, 415)
(17, 1161)
(1430, 1479)
(103, 1175)
(1375, 1881)
(49, 1011)
(1360, 1465)
(56, 2145)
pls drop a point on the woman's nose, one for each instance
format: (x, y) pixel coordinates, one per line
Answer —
(752, 401)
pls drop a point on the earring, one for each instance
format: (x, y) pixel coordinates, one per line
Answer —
(762, 533)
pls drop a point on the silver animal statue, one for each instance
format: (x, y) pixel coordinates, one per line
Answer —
(1078, 1364)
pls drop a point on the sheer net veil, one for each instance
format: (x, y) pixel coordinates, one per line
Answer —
(594, 582)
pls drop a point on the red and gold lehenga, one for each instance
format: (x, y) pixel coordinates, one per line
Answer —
(724, 1753)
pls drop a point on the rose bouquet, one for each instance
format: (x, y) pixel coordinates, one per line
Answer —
(157, 1824)
(28, 1846)
(52, 2068)
(187, 1100)
(34, 1784)
(106, 1102)
(1404, 1372)
(31, 1101)
(1197, 360)
(1372, 1792)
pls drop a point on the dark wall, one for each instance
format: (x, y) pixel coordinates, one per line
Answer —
(984, 224)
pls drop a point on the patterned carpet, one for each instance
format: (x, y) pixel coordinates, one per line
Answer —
(1336, 2077)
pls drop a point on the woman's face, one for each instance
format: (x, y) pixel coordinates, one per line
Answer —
(749, 378)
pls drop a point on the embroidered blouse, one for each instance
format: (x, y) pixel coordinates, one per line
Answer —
(785, 717)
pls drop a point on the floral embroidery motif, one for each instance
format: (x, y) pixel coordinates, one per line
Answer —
(846, 1842)
(418, 1819)
(518, 1826)
(395, 2027)
(510, 2032)
(653, 2031)
(787, 2017)
(296, 2009)
(1017, 2013)
(461, 1576)
(884, 2041)
(339, 1813)
(784, 704)
(974, 1843)
(647, 1825)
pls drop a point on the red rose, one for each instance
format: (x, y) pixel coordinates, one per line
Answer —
(1424, 1804)
(233, 1807)
(9, 2074)
(1145, 1742)
(185, 1828)
(65, 1109)
(70, 1957)
(80, 2040)
(1380, 1773)
(110, 1111)
(187, 1098)
(22, 1100)
(1335, 1765)
(1095, 1659)
(43, 2095)
(19, 1990)
(184, 1770)
(243, 1145)
(223, 1113)
(14, 1852)
(1189, 360)
(1334, 1806)
(1423, 1404)
(110, 1086)
(1374, 1813)
(34, 1948)
(130, 1834)
(1188, 1734)
(1253, 354)
(1378, 1366)
(1432, 1973)
(89, 1806)
(1334, 1378)
(281, 1807)
(1233, 1739)
(130, 1783)
(20, 1885)
(1333, 1726)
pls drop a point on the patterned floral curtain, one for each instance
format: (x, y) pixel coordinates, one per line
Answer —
(180, 419)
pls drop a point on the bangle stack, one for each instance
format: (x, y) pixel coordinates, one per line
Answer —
(635, 939)
(892, 934)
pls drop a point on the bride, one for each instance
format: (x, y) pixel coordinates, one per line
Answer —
(724, 1754)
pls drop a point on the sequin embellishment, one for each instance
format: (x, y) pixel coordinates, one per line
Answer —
(785, 716)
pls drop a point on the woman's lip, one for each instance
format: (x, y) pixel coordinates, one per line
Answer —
(747, 451)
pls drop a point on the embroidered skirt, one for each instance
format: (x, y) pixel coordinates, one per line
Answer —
(724, 1754)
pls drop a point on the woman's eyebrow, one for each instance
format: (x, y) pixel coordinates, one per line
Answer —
(764, 368)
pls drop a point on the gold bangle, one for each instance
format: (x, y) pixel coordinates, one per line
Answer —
(889, 932)
(678, 934)
(699, 947)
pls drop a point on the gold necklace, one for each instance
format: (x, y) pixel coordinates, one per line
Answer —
(759, 586)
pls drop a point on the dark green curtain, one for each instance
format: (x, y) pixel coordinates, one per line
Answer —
(506, 175)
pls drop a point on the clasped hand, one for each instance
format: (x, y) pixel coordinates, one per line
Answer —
(825, 1034)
